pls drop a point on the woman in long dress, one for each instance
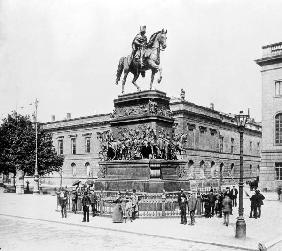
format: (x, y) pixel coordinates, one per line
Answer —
(117, 215)
(199, 204)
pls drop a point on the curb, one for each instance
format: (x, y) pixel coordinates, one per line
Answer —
(269, 244)
(131, 232)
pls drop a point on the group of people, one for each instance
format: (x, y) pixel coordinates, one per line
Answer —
(88, 199)
(256, 203)
(213, 203)
(126, 207)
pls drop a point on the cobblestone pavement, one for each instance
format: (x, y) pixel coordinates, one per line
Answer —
(52, 232)
(21, 234)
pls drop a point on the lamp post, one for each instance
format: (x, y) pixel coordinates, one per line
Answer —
(36, 176)
(241, 120)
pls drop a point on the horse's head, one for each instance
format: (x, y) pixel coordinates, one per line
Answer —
(162, 38)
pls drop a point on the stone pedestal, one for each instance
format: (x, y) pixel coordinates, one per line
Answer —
(141, 146)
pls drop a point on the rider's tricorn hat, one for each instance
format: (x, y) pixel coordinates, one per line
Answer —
(143, 28)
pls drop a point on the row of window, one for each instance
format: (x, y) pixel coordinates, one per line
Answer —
(232, 145)
(73, 145)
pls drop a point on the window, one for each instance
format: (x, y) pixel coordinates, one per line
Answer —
(251, 146)
(87, 145)
(232, 146)
(258, 147)
(88, 169)
(278, 169)
(251, 169)
(60, 147)
(278, 88)
(221, 144)
(74, 170)
(278, 129)
(73, 145)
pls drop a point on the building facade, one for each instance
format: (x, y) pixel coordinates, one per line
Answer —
(271, 152)
(211, 144)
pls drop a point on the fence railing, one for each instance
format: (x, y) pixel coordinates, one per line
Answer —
(149, 205)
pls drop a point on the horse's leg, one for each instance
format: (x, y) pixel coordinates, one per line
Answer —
(161, 77)
(152, 78)
(124, 80)
(136, 75)
(155, 69)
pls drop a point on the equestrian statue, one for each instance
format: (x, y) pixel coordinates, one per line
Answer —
(145, 56)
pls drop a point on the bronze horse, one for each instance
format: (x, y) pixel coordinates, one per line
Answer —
(151, 61)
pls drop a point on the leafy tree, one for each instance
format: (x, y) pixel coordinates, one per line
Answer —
(17, 147)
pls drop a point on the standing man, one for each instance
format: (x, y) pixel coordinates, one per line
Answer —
(192, 204)
(134, 199)
(254, 204)
(63, 199)
(234, 194)
(138, 44)
(212, 199)
(182, 201)
(93, 199)
(85, 205)
(260, 199)
(74, 197)
(226, 208)
(228, 193)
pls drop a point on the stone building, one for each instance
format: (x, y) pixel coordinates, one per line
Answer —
(211, 144)
(271, 152)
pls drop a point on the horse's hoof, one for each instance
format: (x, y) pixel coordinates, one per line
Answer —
(160, 79)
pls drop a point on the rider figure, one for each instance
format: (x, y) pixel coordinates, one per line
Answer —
(139, 43)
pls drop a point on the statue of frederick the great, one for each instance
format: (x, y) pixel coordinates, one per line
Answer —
(144, 56)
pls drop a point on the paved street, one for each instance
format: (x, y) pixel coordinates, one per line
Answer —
(30, 222)
(18, 234)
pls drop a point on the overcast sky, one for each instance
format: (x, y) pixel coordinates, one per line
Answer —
(65, 53)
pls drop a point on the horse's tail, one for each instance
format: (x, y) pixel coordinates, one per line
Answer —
(120, 69)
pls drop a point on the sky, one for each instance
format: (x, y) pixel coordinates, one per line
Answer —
(65, 53)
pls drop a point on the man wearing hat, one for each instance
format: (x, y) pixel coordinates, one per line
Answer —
(192, 204)
(182, 202)
(139, 43)
(74, 197)
(85, 204)
(93, 199)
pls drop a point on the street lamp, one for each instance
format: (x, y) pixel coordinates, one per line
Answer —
(241, 120)
(36, 176)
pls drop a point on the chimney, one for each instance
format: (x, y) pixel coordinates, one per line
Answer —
(212, 106)
(68, 115)
(53, 118)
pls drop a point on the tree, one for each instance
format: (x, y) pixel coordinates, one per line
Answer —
(17, 147)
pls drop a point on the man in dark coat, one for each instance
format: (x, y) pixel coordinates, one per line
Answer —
(212, 199)
(93, 199)
(182, 202)
(260, 199)
(74, 197)
(85, 205)
(254, 204)
(228, 193)
(234, 194)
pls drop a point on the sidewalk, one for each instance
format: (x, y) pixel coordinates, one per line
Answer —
(210, 231)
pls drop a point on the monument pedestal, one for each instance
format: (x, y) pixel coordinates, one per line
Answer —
(140, 148)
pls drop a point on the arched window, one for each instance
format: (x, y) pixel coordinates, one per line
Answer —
(232, 169)
(278, 129)
(88, 169)
(221, 167)
(74, 171)
(202, 163)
